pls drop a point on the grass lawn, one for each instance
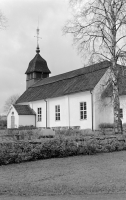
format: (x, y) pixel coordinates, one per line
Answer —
(79, 176)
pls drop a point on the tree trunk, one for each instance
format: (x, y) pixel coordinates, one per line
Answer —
(115, 81)
(116, 106)
(116, 101)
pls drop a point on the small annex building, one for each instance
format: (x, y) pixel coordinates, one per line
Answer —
(21, 115)
(72, 99)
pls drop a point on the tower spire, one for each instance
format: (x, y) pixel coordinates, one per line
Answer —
(37, 49)
(37, 31)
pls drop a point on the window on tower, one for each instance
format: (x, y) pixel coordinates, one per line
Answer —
(38, 75)
(31, 75)
(28, 76)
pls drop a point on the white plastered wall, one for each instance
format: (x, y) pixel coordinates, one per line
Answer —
(39, 104)
(63, 102)
(26, 120)
(12, 110)
(108, 114)
(69, 111)
(74, 102)
(101, 107)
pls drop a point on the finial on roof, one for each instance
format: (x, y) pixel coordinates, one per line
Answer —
(37, 30)
(37, 49)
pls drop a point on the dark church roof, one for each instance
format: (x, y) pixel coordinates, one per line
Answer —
(80, 80)
(37, 64)
(24, 110)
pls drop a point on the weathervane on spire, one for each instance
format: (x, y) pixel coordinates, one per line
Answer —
(37, 30)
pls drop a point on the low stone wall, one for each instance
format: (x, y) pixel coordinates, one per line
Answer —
(65, 127)
(104, 143)
(25, 135)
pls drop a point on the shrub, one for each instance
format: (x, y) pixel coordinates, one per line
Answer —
(26, 127)
(45, 136)
(15, 152)
(3, 124)
(106, 125)
(26, 151)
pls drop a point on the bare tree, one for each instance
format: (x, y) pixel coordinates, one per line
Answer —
(11, 100)
(98, 28)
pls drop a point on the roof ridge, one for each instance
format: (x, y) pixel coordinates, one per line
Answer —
(76, 75)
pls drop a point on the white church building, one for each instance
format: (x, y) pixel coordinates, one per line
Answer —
(71, 99)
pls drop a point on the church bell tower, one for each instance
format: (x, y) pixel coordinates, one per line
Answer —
(37, 68)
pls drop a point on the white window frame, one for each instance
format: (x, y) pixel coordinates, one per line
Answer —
(39, 114)
(83, 110)
(57, 112)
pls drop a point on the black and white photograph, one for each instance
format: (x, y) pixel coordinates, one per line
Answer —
(63, 99)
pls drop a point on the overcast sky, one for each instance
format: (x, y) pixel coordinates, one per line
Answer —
(18, 44)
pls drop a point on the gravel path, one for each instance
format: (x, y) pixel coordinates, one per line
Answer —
(73, 177)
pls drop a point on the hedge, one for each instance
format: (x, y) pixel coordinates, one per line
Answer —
(17, 152)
